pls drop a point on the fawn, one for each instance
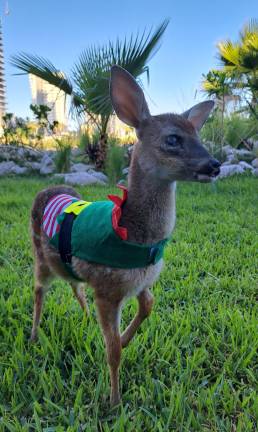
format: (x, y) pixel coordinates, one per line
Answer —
(168, 149)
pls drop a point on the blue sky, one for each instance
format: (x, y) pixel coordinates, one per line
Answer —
(60, 30)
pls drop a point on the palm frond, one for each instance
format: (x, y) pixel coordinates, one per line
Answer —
(43, 68)
(241, 57)
(216, 83)
(229, 53)
(249, 29)
(90, 92)
(91, 72)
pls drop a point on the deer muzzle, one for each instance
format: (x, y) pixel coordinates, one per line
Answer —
(208, 171)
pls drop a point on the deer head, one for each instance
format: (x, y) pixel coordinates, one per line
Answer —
(169, 146)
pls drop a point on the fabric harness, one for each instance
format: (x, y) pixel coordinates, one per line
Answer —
(91, 231)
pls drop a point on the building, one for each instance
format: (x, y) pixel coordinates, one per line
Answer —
(117, 128)
(2, 80)
(44, 93)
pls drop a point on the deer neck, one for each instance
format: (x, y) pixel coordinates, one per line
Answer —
(149, 212)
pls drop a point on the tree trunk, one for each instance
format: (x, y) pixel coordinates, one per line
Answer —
(102, 152)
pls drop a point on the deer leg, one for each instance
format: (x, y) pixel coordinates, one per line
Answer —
(79, 293)
(145, 301)
(42, 278)
(109, 316)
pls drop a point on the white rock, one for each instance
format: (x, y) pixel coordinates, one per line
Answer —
(245, 165)
(255, 172)
(255, 163)
(234, 155)
(125, 171)
(244, 155)
(228, 150)
(229, 170)
(47, 165)
(81, 167)
(229, 154)
(77, 151)
(33, 166)
(81, 178)
(19, 154)
(11, 168)
(255, 146)
(231, 159)
(99, 175)
(229, 162)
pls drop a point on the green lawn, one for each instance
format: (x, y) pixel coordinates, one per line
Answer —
(193, 364)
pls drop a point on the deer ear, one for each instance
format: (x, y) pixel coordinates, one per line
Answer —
(199, 113)
(127, 97)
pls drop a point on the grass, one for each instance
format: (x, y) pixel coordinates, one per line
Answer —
(193, 364)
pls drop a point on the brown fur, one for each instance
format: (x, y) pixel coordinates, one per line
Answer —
(148, 215)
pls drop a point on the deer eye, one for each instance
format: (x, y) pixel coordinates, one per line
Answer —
(173, 140)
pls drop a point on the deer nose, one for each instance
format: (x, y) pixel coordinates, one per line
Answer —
(214, 165)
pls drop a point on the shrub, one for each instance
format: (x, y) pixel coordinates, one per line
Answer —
(115, 161)
(238, 129)
(63, 155)
(213, 135)
(84, 140)
(92, 148)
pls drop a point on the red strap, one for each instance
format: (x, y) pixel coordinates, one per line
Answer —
(117, 212)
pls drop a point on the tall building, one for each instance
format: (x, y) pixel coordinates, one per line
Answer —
(120, 130)
(2, 79)
(44, 93)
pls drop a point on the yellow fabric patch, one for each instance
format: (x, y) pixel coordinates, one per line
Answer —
(77, 207)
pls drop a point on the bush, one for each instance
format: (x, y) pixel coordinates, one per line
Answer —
(84, 140)
(236, 132)
(213, 136)
(115, 161)
(239, 129)
(211, 130)
(90, 146)
(63, 155)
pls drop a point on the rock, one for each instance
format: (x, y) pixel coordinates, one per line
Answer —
(125, 171)
(11, 168)
(227, 149)
(229, 170)
(231, 159)
(229, 155)
(255, 163)
(47, 165)
(81, 178)
(244, 155)
(76, 151)
(19, 154)
(245, 165)
(233, 155)
(84, 168)
(99, 175)
(50, 153)
(255, 147)
(33, 166)
(255, 172)
(81, 167)
(230, 162)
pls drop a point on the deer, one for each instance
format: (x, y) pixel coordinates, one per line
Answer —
(168, 150)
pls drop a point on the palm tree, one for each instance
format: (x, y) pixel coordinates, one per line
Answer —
(88, 84)
(216, 84)
(240, 60)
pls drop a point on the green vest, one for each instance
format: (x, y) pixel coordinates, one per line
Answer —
(94, 239)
